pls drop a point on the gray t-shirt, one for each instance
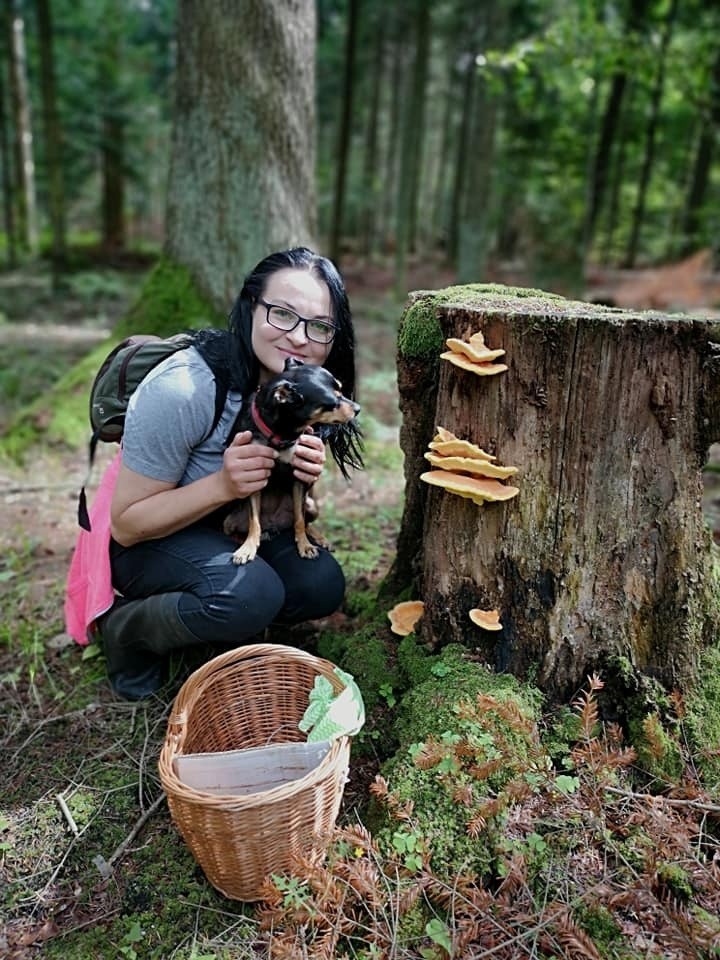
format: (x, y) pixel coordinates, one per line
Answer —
(168, 420)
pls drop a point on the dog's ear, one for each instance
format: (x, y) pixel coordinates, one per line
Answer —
(284, 392)
(291, 362)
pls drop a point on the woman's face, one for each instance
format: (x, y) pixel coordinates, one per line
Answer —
(306, 295)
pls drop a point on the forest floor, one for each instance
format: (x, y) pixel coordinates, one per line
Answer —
(65, 819)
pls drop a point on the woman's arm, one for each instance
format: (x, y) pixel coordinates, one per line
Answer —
(145, 509)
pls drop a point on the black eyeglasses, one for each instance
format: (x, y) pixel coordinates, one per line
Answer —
(282, 318)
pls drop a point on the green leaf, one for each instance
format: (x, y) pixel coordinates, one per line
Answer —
(439, 933)
(566, 784)
(413, 862)
(536, 842)
(135, 934)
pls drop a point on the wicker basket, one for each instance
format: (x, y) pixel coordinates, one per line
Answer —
(249, 697)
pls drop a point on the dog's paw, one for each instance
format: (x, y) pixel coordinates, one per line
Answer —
(307, 550)
(244, 555)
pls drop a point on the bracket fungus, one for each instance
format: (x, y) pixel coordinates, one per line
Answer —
(463, 468)
(477, 489)
(474, 355)
(449, 445)
(404, 616)
(471, 465)
(487, 619)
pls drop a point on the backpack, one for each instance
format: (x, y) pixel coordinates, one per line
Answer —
(119, 376)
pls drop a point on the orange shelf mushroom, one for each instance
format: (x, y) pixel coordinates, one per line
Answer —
(478, 353)
(471, 465)
(474, 355)
(472, 488)
(487, 619)
(468, 470)
(481, 369)
(404, 616)
(448, 444)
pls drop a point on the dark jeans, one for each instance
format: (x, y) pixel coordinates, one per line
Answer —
(221, 602)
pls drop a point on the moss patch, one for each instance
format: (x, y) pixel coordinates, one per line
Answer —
(420, 336)
(464, 734)
(702, 719)
(365, 654)
(658, 750)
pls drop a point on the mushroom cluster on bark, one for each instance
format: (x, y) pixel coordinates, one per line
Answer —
(462, 468)
(467, 470)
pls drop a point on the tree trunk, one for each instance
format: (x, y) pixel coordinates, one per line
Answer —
(113, 182)
(650, 134)
(345, 129)
(392, 151)
(53, 143)
(710, 130)
(7, 188)
(26, 204)
(602, 561)
(417, 110)
(475, 224)
(606, 139)
(439, 217)
(370, 159)
(616, 183)
(412, 137)
(461, 158)
(243, 154)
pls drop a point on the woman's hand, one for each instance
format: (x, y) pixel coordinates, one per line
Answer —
(247, 465)
(309, 458)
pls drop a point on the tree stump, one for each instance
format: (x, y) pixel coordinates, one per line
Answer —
(603, 561)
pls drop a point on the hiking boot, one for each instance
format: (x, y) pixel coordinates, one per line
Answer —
(136, 636)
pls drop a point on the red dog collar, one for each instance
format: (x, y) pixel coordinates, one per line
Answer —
(274, 439)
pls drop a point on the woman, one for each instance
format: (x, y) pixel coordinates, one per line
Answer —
(171, 563)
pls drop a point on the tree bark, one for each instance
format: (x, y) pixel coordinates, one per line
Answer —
(461, 158)
(26, 204)
(649, 154)
(344, 130)
(370, 177)
(475, 223)
(412, 139)
(7, 189)
(243, 154)
(113, 181)
(606, 138)
(388, 227)
(113, 110)
(709, 132)
(53, 139)
(602, 561)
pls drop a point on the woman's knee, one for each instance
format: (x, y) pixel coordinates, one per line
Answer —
(239, 610)
(315, 590)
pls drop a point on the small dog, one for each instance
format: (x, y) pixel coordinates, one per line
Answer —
(277, 414)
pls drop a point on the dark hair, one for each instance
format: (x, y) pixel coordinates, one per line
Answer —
(243, 370)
